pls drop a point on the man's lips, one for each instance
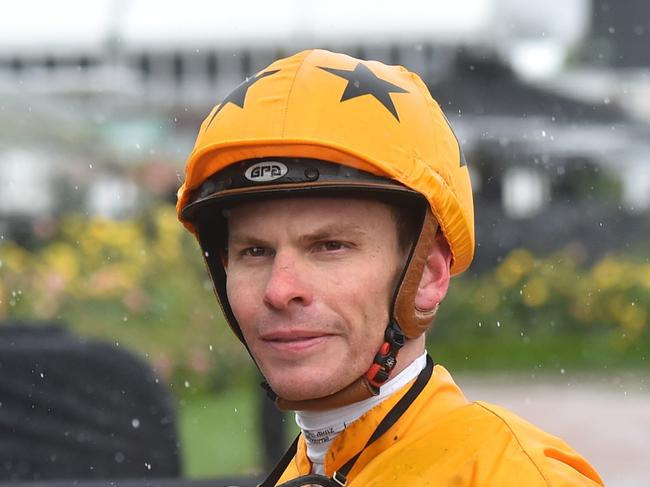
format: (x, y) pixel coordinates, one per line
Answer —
(295, 340)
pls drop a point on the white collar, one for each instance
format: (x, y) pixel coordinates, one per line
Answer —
(319, 428)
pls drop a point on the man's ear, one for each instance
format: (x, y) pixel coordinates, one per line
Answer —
(435, 277)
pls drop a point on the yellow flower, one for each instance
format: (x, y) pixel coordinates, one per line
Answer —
(62, 259)
(633, 318)
(3, 302)
(514, 266)
(608, 273)
(535, 292)
(14, 259)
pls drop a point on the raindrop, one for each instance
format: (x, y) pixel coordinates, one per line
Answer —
(90, 166)
(498, 324)
(42, 375)
(125, 319)
(135, 422)
(147, 465)
(206, 253)
(543, 133)
(562, 371)
(119, 457)
(210, 347)
(187, 383)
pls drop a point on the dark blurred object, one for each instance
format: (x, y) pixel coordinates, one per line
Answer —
(80, 409)
(619, 35)
(274, 432)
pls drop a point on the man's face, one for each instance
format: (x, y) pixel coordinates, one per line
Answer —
(309, 281)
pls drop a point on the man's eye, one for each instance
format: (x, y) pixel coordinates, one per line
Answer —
(332, 245)
(255, 251)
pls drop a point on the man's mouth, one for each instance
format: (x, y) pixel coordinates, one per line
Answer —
(294, 341)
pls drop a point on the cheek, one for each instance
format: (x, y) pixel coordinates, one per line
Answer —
(364, 299)
(242, 298)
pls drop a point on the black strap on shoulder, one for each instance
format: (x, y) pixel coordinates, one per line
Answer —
(390, 419)
(279, 469)
(312, 480)
(340, 476)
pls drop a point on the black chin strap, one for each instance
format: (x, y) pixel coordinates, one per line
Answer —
(339, 478)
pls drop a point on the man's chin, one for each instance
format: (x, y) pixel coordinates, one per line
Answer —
(303, 388)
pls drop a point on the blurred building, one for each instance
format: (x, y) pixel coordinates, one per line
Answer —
(554, 159)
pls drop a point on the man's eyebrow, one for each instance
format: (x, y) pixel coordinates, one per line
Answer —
(328, 231)
(241, 238)
(333, 230)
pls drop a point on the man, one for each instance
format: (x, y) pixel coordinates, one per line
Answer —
(333, 203)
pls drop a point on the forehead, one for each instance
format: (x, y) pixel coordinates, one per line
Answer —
(307, 213)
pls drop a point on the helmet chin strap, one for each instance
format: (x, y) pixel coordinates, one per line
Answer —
(407, 322)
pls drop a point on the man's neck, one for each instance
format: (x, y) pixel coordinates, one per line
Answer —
(320, 428)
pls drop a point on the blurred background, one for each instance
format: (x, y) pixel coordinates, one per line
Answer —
(99, 106)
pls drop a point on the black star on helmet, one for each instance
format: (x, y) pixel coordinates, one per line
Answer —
(238, 95)
(362, 81)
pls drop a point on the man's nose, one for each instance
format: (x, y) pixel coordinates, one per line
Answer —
(287, 284)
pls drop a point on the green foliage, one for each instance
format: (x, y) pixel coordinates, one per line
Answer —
(219, 433)
(539, 310)
(139, 283)
(142, 283)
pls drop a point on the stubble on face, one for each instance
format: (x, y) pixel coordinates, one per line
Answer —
(309, 281)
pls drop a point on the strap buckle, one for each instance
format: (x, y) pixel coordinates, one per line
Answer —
(339, 478)
(386, 358)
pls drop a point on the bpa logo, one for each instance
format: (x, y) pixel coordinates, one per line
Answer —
(265, 171)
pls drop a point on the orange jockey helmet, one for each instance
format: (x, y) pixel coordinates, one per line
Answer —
(324, 123)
